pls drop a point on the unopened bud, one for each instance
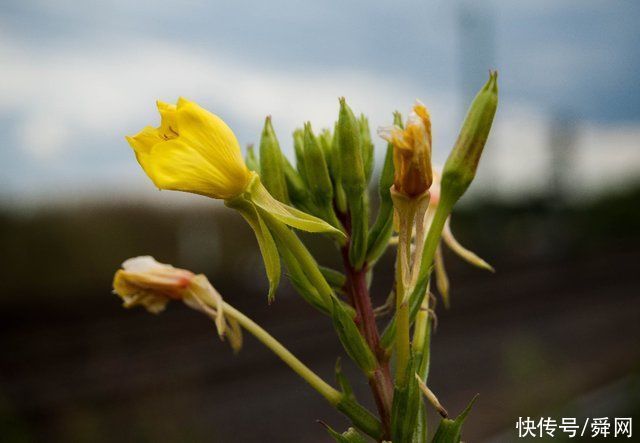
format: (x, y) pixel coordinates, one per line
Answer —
(251, 160)
(366, 146)
(349, 144)
(298, 147)
(461, 166)
(317, 171)
(272, 163)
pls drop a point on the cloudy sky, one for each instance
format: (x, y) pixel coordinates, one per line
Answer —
(78, 76)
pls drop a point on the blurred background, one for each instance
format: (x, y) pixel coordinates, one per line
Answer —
(555, 208)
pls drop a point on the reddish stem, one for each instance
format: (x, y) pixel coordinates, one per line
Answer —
(381, 381)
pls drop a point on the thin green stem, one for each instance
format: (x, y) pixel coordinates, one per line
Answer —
(433, 237)
(331, 394)
(359, 415)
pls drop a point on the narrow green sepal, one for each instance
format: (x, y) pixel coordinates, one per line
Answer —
(267, 245)
(450, 431)
(288, 215)
(272, 163)
(352, 340)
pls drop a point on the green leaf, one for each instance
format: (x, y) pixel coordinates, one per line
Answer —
(348, 436)
(335, 278)
(351, 339)
(450, 431)
(300, 281)
(288, 215)
(342, 380)
(266, 243)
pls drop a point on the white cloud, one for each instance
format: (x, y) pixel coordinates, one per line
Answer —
(65, 93)
(71, 106)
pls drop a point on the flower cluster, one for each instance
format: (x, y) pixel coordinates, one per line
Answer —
(327, 192)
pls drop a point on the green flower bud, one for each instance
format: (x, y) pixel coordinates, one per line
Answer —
(325, 140)
(354, 182)
(366, 146)
(298, 147)
(349, 145)
(316, 170)
(297, 188)
(251, 160)
(272, 163)
(461, 166)
(340, 196)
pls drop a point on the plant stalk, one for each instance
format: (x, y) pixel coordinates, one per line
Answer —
(359, 415)
(380, 381)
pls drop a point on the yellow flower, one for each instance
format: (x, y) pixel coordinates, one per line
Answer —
(192, 150)
(411, 152)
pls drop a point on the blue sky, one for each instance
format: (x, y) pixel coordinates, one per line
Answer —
(78, 76)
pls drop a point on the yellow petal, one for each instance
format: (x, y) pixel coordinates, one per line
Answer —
(175, 165)
(214, 140)
(169, 122)
(192, 150)
(146, 139)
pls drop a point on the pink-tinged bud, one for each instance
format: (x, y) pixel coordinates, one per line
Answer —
(143, 281)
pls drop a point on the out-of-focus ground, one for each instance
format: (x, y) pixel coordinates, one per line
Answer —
(554, 332)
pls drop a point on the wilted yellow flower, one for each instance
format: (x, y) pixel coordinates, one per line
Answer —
(412, 152)
(143, 281)
(192, 150)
